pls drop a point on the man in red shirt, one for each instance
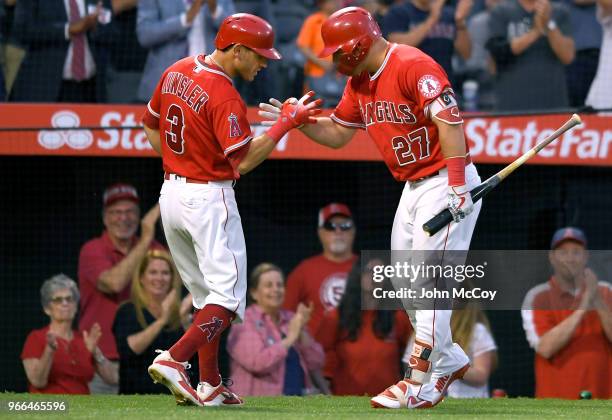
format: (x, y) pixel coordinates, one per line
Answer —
(404, 101)
(197, 122)
(320, 280)
(568, 322)
(107, 264)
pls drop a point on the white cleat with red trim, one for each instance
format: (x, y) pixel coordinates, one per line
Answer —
(449, 367)
(401, 395)
(212, 396)
(172, 374)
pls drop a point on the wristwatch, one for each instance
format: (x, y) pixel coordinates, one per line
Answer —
(551, 25)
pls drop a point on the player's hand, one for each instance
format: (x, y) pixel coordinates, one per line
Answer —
(302, 112)
(92, 336)
(459, 202)
(270, 112)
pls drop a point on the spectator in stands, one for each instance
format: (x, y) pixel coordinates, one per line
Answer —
(377, 8)
(127, 57)
(471, 330)
(66, 44)
(153, 318)
(321, 279)
(530, 41)
(11, 49)
(568, 322)
(434, 27)
(586, 32)
(356, 330)
(107, 264)
(600, 93)
(173, 29)
(479, 67)
(319, 72)
(271, 351)
(58, 359)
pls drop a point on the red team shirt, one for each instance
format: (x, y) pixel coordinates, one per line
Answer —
(201, 119)
(393, 107)
(72, 368)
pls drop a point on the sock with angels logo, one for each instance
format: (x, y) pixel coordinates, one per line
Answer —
(204, 335)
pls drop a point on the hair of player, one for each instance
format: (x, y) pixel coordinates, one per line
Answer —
(350, 313)
(140, 299)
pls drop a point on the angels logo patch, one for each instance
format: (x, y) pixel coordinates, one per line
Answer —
(234, 130)
(429, 86)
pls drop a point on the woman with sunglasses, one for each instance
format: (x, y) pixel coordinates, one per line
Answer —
(57, 358)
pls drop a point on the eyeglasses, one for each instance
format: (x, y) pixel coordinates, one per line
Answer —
(344, 226)
(60, 299)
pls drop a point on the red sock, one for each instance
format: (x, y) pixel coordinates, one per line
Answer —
(204, 334)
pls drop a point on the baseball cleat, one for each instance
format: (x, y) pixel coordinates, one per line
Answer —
(400, 396)
(220, 395)
(440, 385)
(173, 375)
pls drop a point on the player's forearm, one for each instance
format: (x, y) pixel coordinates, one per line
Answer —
(259, 149)
(139, 342)
(117, 278)
(327, 133)
(562, 46)
(452, 140)
(558, 337)
(154, 139)
(519, 44)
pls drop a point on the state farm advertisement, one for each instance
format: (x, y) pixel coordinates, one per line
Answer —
(113, 130)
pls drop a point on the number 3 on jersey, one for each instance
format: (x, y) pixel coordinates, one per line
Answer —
(174, 136)
(403, 146)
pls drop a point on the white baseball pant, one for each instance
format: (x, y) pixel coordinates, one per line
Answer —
(419, 202)
(204, 232)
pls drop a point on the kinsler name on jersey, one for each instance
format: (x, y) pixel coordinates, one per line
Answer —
(186, 89)
(384, 111)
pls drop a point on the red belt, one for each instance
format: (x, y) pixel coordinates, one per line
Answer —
(187, 180)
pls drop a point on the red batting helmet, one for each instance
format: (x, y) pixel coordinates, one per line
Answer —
(248, 30)
(352, 31)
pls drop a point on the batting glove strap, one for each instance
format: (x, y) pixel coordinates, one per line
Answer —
(459, 202)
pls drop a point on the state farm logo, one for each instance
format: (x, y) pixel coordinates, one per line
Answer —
(500, 138)
(119, 132)
(54, 139)
(332, 289)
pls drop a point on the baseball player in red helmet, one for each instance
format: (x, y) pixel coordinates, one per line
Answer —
(198, 123)
(404, 101)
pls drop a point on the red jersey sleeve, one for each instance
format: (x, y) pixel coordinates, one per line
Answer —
(34, 345)
(231, 126)
(150, 118)
(424, 81)
(347, 112)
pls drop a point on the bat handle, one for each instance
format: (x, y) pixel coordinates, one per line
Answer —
(437, 222)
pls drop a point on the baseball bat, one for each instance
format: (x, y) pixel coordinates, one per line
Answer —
(433, 225)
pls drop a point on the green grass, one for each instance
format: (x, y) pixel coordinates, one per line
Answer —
(161, 407)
